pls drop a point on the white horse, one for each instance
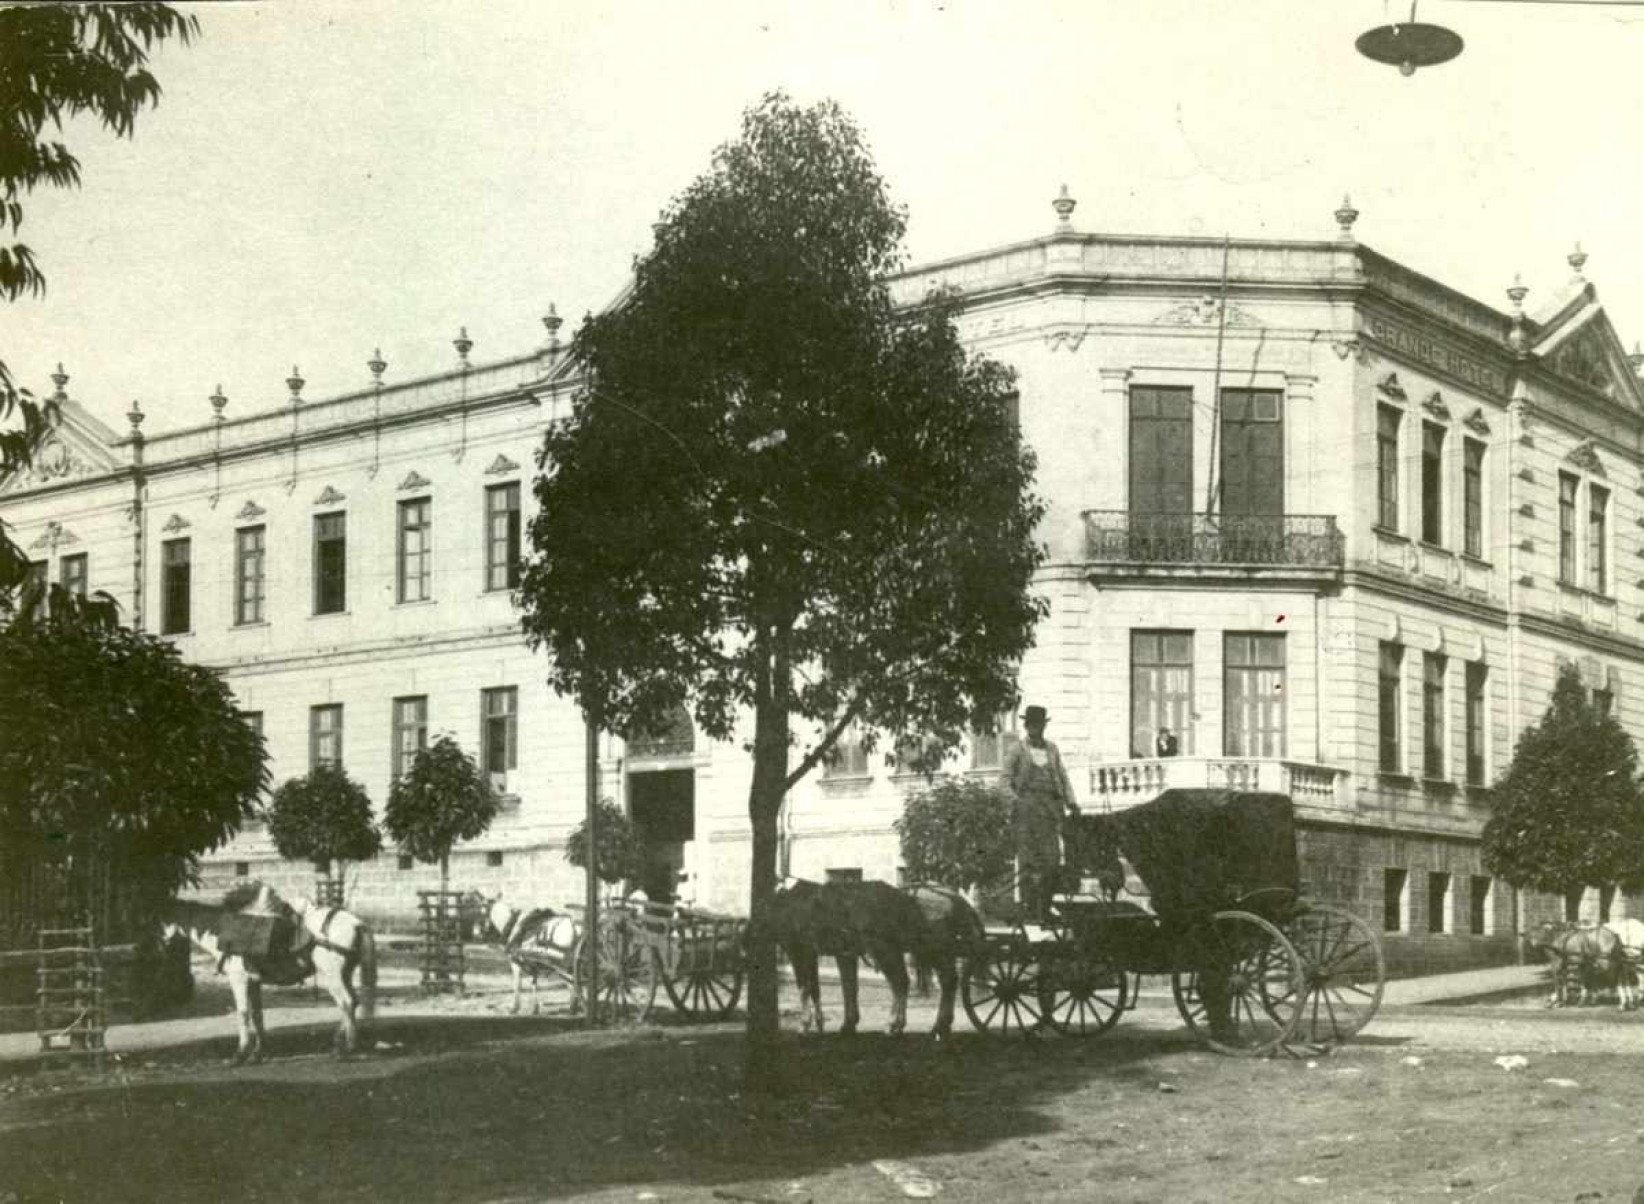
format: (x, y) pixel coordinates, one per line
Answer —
(1631, 934)
(258, 937)
(533, 939)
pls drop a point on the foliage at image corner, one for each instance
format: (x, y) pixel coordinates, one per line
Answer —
(107, 735)
(323, 817)
(618, 856)
(1569, 812)
(957, 833)
(442, 799)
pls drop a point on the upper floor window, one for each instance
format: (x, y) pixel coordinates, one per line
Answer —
(249, 583)
(848, 758)
(37, 576)
(499, 732)
(988, 748)
(415, 553)
(502, 536)
(1598, 559)
(1433, 666)
(330, 563)
(1432, 483)
(175, 570)
(1161, 450)
(1253, 695)
(1389, 719)
(410, 734)
(72, 572)
(1472, 498)
(1252, 454)
(325, 731)
(1477, 681)
(1161, 691)
(1568, 486)
(1387, 466)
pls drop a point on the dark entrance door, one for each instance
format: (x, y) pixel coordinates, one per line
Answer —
(662, 803)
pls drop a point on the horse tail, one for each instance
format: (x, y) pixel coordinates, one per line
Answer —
(368, 973)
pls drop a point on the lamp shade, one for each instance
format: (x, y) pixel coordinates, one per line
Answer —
(1410, 45)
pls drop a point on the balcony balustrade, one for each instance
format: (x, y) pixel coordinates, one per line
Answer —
(1285, 540)
(1115, 785)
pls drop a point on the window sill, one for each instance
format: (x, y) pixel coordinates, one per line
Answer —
(507, 801)
(846, 779)
(1389, 533)
(1430, 546)
(1396, 777)
(1476, 561)
(1582, 591)
(250, 623)
(416, 602)
(177, 635)
(1438, 785)
(331, 614)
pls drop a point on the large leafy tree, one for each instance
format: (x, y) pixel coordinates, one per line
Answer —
(58, 62)
(324, 817)
(957, 834)
(108, 739)
(779, 496)
(1569, 813)
(441, 799)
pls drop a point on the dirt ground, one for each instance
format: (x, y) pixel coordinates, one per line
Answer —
(461, 1102)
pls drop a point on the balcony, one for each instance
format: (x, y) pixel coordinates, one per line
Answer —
(1308, 542)
(1115, 785)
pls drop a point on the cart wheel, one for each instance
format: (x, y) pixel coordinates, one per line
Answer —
(704, 991)
(627, 972)
(1001, 989)
(1087, 995)
(1245, 996)
(1344, 973)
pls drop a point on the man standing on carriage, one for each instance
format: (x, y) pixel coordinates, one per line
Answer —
(1043, 796)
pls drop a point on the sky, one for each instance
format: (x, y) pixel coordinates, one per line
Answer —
(322, 179)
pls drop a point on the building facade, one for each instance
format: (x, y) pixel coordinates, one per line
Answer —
(1316, 523)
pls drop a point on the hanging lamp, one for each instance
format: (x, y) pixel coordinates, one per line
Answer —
(1410, 44)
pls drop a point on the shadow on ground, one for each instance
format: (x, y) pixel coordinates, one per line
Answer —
(457, 1109)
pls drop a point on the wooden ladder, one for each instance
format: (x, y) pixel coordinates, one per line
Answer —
(71, 1008)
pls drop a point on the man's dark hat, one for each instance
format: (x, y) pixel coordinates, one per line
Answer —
(1035, 714)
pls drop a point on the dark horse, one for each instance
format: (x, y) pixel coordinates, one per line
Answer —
(1582, 957)
(877, 921)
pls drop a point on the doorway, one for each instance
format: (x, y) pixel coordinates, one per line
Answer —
(662, 804)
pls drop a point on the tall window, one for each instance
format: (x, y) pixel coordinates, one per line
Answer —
(325, 732)
(1161, 690)
(1433, 667)
(848, 758)
(37, 576)
(1387, 466)
(1161, 473)
(499, 732)
(1598, 561)
(1389, 675)
(175, 571)
(330, 563)
(1252, 476)
(1567, 487)
(1253, 695)
(1432, 483)
(1478, 907)
(1394, 903)
(502, 536)
(72, 573)
(988, 748)
(1472, 497)
(249, 584)
(415, 558)
(410, 732)
(1477, 680)
(1438, 902)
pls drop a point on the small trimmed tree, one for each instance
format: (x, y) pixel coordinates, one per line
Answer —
(442, 799)
(1568, 813)
(617, 857)
(957, 834)
(324, 817)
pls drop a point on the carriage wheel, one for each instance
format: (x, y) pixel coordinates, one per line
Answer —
(705, 991)
(627, 972)
(1245, 996)
(1001, 989)
(1087, 995)
(1344, 973)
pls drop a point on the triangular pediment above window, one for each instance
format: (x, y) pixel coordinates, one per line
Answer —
(414, 480)
(78, 445)
(501, 465)
(329, 496)
(1585, 457)
(1583, 347)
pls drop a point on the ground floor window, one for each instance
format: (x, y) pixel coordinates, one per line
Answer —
(1572, 904)
(1478, 908)
(1394, 902)
(1161, 691)
(1606, 901)
(1438, 902)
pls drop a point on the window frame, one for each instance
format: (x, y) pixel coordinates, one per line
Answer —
(325, 574)
(1598, 539)
(1476, 722)
(1000, 739)
(1163, 702)
(1432, 484)
(75, 580)
(318, 732)
(1569, 493)
(422, 558)
(1390, 706)
(1395, 900)
(1254, 743)
(400, 756)
(1441, 920)
(508, 718)
(176, 586)
(847, 758)
(503, 573)
(1473, 453)
(1481, 905)
(1389, 424)
(1435, 762)
(250, 604)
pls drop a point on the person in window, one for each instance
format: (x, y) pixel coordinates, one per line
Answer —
(1165, 744)
(1043, 796)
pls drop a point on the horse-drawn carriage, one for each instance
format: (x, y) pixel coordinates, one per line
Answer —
(695, 956)
(1253, 966)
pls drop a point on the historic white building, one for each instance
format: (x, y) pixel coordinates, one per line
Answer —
(1331, 523)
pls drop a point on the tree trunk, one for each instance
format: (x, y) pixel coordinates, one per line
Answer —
(445, 875)
(770, 771)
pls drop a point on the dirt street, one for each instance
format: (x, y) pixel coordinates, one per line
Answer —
(462, 1102)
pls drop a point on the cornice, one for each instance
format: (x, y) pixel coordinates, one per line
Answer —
(1601, 641)
(491, 636)
(1374, 582)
